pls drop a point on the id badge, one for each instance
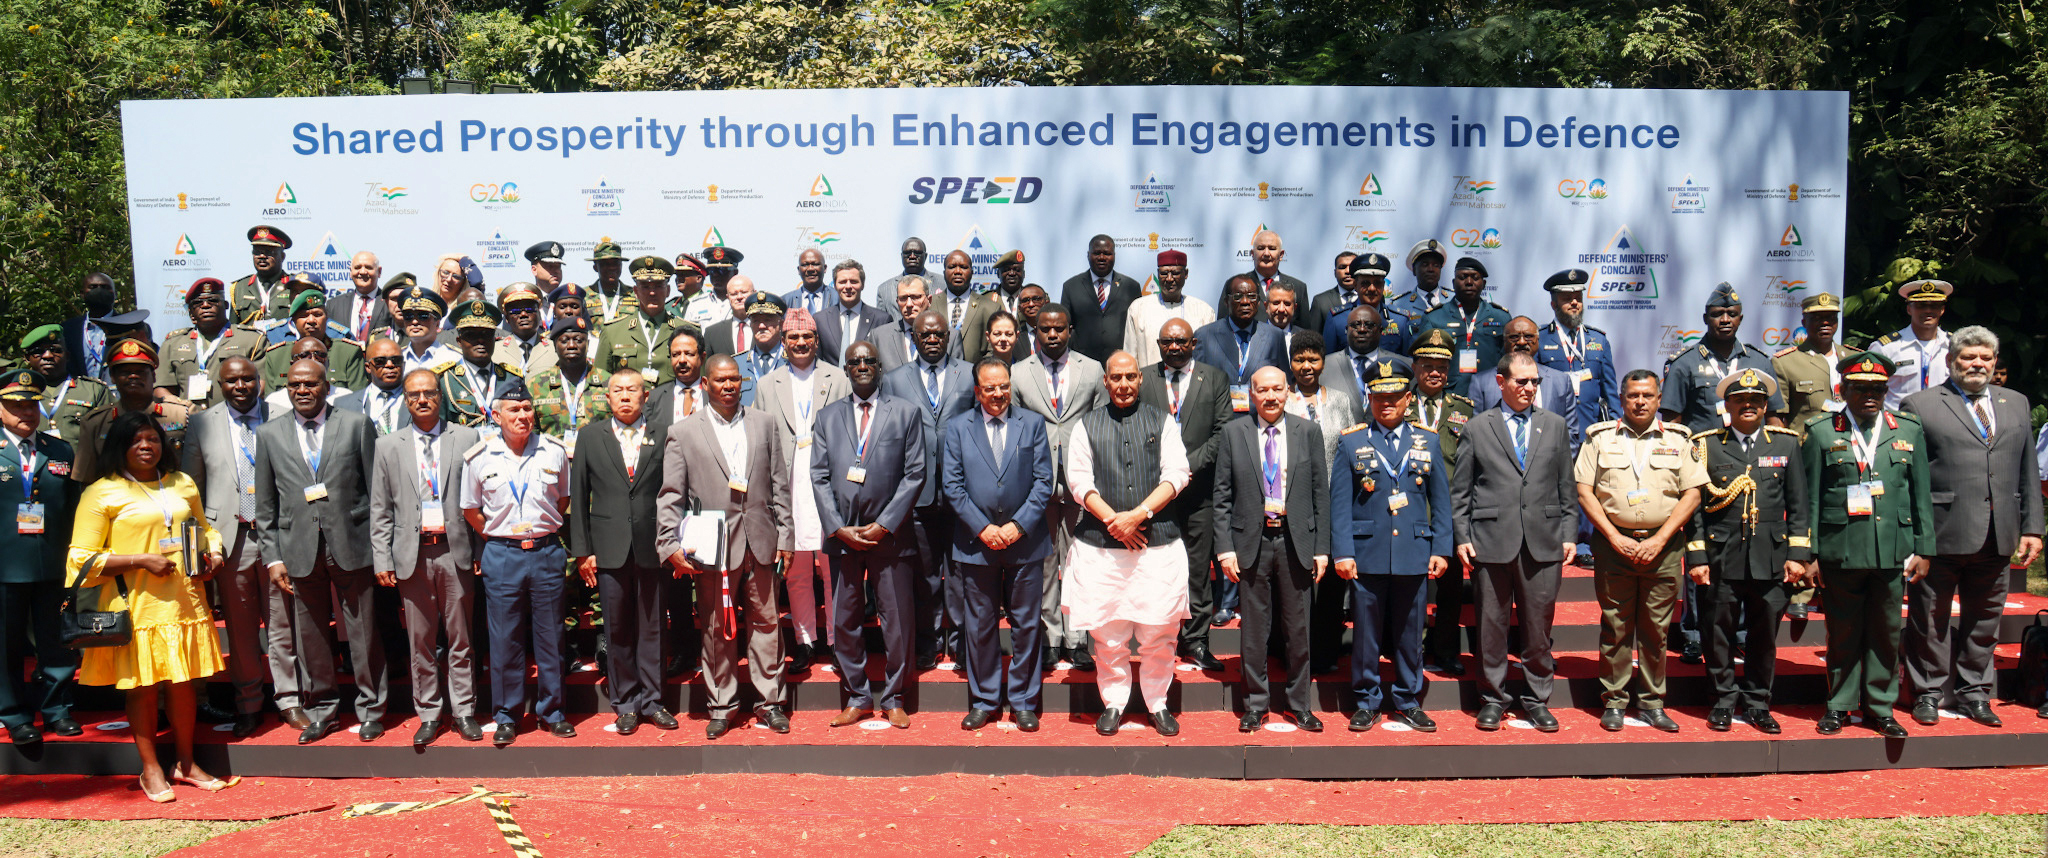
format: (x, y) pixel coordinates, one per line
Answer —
(1240, 398)
(1397, 501)
(1721, 410)
(856, 474)
(1832, 405)
(1859, 499)
(316, 491)
(28, 518)
(569, 440)
(1276, 506)
(1580, 377)
(431, 518)
(1468, 361)
(169, 544)
(522, 528)
(737, 484)
(197, 385)
(803, 441)
(1638, 497)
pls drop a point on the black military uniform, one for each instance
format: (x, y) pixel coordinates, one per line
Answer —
(1750, 523)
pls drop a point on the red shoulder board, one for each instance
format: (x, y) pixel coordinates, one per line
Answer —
(1841, 422)
(1890, 422)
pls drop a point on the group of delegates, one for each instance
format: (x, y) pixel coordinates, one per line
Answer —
(411, 466)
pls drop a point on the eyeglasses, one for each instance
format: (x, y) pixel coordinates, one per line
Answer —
(1172, 341)
(863, 361)
(387, 361)
(45, 348)
(1527, 382)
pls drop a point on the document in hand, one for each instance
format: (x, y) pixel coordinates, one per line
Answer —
(702, 535)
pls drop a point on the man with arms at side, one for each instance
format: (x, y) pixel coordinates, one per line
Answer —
(1061, 387)
(1581, 351)
(1987, 518)
(611, 299)
(942, 387)
(998, 476)
(792, 395)
(1363, 349)
(1127, 571)
(614, 481)
(1097, 299)
(633, 341)
(1238, 344)
(1368, 281)
(1807, 371)
(683, 394)
(312, 474)
(726, 462)
(897, 343)
(1515, 518)
(570, 395)
(1196, 396)
(1921, 348)
(1150, 313)
(1477, 325)
(1437, 409)
(469, 388)
(811, 292)
(430, 557)
(1271, 514)
(384, 400)
(850, 320)
(250, 297)
(867, 468)
(960, 304)
(192, 356)
(32, 562)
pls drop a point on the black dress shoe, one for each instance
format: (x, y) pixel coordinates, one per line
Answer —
(1889, 728)
(245, 724)
(2042, 712)
(295, 717)
(927, 660)
(1613, 719)
(426, 733)
(1416, 719)
(1110, 720)
(1797, 612)
(1540, 716)
(1321, 667)
(1027, 720)
(800, 657)
(1831, 722)
(1305, 720)
(659, 716)
(211, 714)
(1454, 667)
(1659, 719)
(318, 730)
(504, 734)
(1691, 653)
(1163, 722)
(24, 734)
(1081, 659)
(773, 717)
(626, 724)
(1199, 655)
(1980, 712)
(1720, 719)
(1252, 719)
(1762, 720)
(562, 729)
(1927, 710)
(1489, 717)
(716, 727)
(468, 729)
(975, 719)
(1049, 661)
(69, 727)
(1364, 719)
(674, 666)
(370, 731)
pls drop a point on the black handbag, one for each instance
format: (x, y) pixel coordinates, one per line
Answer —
(81, 628)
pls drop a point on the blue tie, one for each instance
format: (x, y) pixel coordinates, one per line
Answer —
(1521, 440)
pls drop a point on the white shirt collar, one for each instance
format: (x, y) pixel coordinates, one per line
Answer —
(738, 415)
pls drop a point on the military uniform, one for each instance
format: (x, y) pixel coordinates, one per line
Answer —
(639, 341)
(1396, 327)
(1480, 338)
(1446, 415)
(249, 301)
(1753, 518)
(346, 365)
(530, 357)
(1640, 480)
(94, 426)
(1921, 363)
(1583, 354)
(1811, 388)
(1691, 376)
(466, 388)
(35, 481)
(64, 402)
(608, 303)
(190, 364)
(1871, 509)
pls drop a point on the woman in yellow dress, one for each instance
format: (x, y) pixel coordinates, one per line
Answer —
(128, 526)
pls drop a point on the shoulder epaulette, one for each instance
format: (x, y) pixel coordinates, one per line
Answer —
(1782, 430)
(1885, 340)
(1906, 414)
(1674, 358)
(1602, 426)
(1703, 433)
(1354, 428)
(1825, 415)
(349, 340)
(1459, 397)
(1422, 427)
(477, 448)
(1595, 330)
(181, 332)
(283, 345)
(550, 439)
(445, 364)
(512, 369)
(1784, 351)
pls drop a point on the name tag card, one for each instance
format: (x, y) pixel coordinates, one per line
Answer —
(28, 519)
(1638, 497)
(1580, 377)
(1468, 361)
(1859, 499)
(1276, 506)
(803, 441)
(169, 544)
(1397, 501)
(856, 475)
(316, 491)
(197, 385)
(737, 485)
(432, 520)
(1240, 398)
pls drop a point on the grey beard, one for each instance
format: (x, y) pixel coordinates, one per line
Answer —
(1572, 320)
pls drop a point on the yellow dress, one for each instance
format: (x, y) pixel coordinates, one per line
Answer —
(174, 634)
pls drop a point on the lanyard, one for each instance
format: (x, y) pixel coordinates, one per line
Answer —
(518, 484)
(244, 435)
(56, 402)
(1387, 459)
(165, 508)
(1471, 322)
(647, 336)
(430, 465)
(1865, 450)
(1734, 362)
(1244, 354)
(867, 429)
(1921, 347)
(609, 308)
(207, 350)
(1574, 346)
(1637, 458)
(309, 444)
(28, 465)
(484, 403)
(574, 400)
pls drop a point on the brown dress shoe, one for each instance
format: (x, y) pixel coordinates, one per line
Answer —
(899, 719)
(852, 715)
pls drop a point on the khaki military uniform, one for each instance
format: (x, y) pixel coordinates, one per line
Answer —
(93, 428)
(604, 310)
(1808, 380)
(626, 344)
(250, 309)
(191, 369)
(346, 365)
(64, 405)
(509, 351)
(1639, 479)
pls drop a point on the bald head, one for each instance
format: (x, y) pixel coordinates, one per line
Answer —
(1120, 376)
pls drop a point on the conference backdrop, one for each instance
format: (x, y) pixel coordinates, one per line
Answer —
(1661, 195)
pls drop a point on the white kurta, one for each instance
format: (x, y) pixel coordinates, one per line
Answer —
(1148, 314)
(1102, 585)
(804, 523)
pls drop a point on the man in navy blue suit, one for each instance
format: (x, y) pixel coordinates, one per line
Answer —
(942, 387)
(867, 470)
(1390, 513)
(998, 476)
(1238, 344)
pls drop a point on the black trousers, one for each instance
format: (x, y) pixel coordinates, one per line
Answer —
(1730, 608)
(1201, 545)
(1274, 591)
(28, 614)
(633, 597)
(1329, 610)
(1446, 637)
(936, 603)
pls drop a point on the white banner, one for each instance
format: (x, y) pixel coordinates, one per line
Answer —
(1660, 194)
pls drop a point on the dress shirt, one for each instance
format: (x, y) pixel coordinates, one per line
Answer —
(309, 441)
(684, 395)
(631, 438)
(1176, 389)
(732, 438)
(386, 407)
(519, 493)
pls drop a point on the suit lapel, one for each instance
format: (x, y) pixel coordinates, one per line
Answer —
(1961, 406)
(1507, 440)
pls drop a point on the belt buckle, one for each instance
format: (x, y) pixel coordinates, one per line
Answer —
(526, 545)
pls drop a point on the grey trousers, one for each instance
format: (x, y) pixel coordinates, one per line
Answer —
(1934, 651)
(438, 597)
(259, 626)
(756, 619)
(315, 603)
(1531, 588)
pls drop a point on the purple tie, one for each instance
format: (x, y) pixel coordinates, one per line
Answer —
(1272, 465)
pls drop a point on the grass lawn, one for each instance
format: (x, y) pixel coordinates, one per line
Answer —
(85, 838)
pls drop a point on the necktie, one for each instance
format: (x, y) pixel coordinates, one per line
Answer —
(430, 473)
(363, 310)
(931, 384)
(1983, 416)
(1102, 293)
(1052, 371)
(865, 408)
(811, 302)
(1521, 440)
(957, 304)
(849, 322)
(1173, 389)
(1744, 441)
(1272, 468)
(995, 441)
(313, 447)
(95, 351)
(245, 467)
(629, 450)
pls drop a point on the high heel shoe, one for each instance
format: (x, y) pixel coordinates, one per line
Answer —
(165, 797)
(210, 785)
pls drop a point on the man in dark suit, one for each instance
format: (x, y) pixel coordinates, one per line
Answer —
(896, 342)
(732, 336)
(1266, 257)
(1195, 395)
(614, 480)
(1987, 517)
(32, 564)
(1325, 303)
(1098, 299)
(852, 320)
(998, 476)
(417, 471)
(1559, 395)
(1515, 515)
(362, 310)
(811, 292)
(941, 386)
(683, 394)
(1363, 350)
(87, 336)
(1239, 344)
(313, 515)
(868, 468)
(1062, 387)
(727, 461)
(1272, 514)
(960, 304)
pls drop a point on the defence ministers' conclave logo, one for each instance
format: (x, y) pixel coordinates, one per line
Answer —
(1152, 195)
(1688, 197)
(499, 252)
(1624, 273)
(605, 200)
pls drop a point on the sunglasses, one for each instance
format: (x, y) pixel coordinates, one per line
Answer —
(863, 361)
(1527, 382)
(387, 361)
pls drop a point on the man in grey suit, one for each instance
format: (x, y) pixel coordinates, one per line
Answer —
(727, 461)
(1987, 513)
(792, 395)
(867, 469)
(312, 516)
(1515, 516)
(220, 455)
(416, 474)
(1195, 395)
(1061, 386)
(1557, 394)
(941, 386)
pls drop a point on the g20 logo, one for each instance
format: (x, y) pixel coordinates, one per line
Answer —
(489, 192)
(1488, 238)
(1582, 189)
(1784, 336)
